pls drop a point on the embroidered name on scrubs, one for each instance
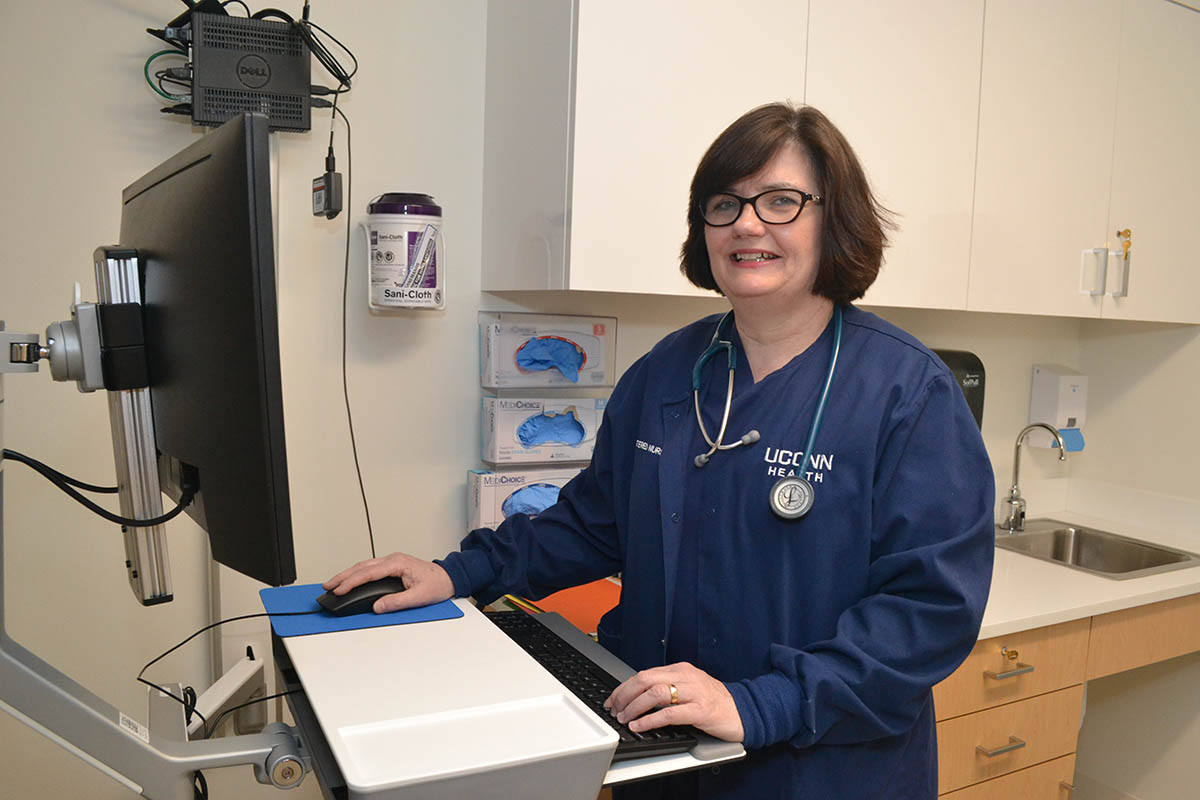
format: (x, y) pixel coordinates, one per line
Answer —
(782, 462)
(653, 449)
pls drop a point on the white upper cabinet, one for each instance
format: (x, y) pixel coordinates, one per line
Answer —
(1156, 164)
(1043, 169)
(597, 113)
(901, 81)
(1089, 124)
(1013, 139)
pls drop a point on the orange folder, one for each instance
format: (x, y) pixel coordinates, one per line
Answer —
(583, 606)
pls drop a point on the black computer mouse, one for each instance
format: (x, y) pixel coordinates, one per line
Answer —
(361, 598)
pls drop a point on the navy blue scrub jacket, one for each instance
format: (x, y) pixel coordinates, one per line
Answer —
(828, 631)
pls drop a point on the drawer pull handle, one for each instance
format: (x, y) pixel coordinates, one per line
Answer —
(1069, 788)
(1013, 744)
(1020, 669)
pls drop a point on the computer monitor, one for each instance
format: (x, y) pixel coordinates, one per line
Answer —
(201, 225)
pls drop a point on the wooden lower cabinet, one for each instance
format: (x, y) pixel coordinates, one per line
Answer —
(1028, 685)
(1143, 635)
(1038, 729)
(1013, 667)
(1047, 781)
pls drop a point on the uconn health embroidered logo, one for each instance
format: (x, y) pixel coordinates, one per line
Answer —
(787, 463)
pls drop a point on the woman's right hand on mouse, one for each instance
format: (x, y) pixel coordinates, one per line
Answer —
(425, 582)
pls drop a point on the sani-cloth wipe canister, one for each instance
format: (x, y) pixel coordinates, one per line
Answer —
(405, 252)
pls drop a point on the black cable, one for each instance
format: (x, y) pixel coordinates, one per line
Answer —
(185, 86)
(272, 12)
(162, 75)
(334, 67)
(67, 479)
(205, 629)
(305, 28)
(201, 786)
(345, 295)
(326, 58)
(177, 699)
(209, 731)
(63, 485)
(228, 3)
(189, 704)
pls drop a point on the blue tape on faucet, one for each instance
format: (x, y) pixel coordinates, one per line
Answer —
(1072, 438)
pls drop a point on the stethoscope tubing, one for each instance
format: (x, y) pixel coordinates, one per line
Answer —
(820, 412)
(716, 345)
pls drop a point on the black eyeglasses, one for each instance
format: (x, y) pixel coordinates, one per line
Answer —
(774, 207)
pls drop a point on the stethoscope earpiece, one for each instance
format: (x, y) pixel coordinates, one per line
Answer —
(700, 460)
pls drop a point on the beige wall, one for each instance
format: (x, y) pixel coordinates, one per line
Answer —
(82, 125)
(1141, 733)
(1144, 430)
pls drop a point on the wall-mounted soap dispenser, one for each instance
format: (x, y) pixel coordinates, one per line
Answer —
(1058, 397)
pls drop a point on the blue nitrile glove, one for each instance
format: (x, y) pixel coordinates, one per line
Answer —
(551, 352)
(550, 428)
(532, 500)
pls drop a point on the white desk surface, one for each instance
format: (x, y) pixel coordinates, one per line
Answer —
(406, 705)
(412, 704)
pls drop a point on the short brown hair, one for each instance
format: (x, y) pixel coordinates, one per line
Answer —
(853, 228)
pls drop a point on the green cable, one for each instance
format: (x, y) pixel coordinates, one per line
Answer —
(146, 72)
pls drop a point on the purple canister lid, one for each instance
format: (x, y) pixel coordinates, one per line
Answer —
(404, 203)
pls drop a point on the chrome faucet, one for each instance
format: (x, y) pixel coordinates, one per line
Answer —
(1016, 504)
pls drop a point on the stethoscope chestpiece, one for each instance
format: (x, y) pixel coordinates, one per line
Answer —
(792, 497)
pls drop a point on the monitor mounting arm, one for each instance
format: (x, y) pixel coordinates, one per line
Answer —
(101, 347)
(157, 760)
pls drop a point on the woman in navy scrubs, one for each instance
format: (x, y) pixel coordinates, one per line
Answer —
(801, 591)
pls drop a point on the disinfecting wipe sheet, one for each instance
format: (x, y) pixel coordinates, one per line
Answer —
(493, 497)
(537, 350)
(533, 430)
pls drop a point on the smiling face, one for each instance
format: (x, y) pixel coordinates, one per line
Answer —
(753, 259)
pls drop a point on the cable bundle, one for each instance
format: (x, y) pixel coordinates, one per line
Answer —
(66, 484)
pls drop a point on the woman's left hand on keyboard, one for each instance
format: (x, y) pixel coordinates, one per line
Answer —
(645, 702)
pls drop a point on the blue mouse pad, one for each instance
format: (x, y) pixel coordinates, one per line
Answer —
(284, 599)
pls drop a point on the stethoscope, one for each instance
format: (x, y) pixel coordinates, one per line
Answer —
(792, 496)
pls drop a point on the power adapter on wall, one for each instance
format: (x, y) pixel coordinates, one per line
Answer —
(327, 191)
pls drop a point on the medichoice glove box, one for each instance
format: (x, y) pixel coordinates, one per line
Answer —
(520, 351)
(540, 431)
(493, 497)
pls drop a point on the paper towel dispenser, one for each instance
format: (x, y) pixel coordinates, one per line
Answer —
(968, 372)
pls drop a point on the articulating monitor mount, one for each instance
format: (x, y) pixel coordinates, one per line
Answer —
(100, 347)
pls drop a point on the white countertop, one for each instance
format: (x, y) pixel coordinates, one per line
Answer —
(1029, 593)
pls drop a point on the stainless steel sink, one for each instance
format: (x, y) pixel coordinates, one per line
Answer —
(1090, 550)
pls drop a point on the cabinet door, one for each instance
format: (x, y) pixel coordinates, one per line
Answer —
(1043, 171)
(655, 83)
(901, 81)
(1156, 163)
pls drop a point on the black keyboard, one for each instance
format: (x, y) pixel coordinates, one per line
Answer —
(587, 680)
